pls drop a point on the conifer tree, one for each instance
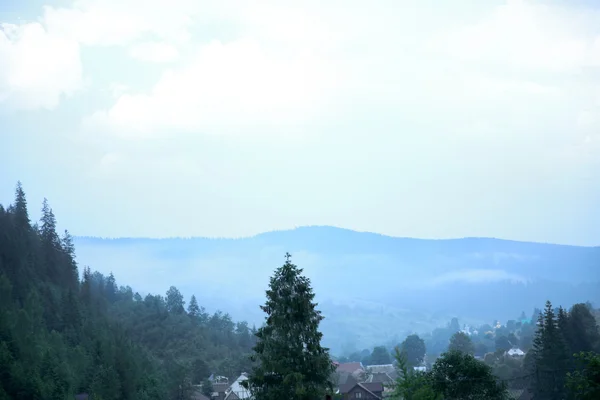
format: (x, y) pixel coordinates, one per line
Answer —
(21, 214)
(584, 334)
(550, 358)
(48, 228)
(290, 362)
(193, 308)
(174, 300)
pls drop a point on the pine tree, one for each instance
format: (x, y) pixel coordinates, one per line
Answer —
(20, 209)
(193, 308)
(291, 364)
(72, 274)
(110, 288)
(175, 303)
(550, 358)
(86, 286)
(51, 245)
(48, 228)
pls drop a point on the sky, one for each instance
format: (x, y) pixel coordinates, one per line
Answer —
(228, 118)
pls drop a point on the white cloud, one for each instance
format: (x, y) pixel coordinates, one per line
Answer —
(112, 22)
(154, 52)
(37, 67)
(40, 61)
(117, 89)
(529, 36)
(227, 86)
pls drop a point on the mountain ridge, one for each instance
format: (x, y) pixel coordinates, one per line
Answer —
(333, 228)
(402, 284)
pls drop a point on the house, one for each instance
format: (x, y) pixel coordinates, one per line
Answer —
(236, 391)
(388, 369)
(385, 379)
(218, 379)
(344, 378)
(420, 368)
(362, 391)
(515, 353)
(382, 377)
(198, 395)
(219, 391)
(354, 368)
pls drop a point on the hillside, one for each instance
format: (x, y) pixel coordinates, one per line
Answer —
(64, 333)
(371, 287)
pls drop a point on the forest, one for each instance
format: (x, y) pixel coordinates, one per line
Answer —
(63, 332)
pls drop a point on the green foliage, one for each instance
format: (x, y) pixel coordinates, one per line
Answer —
(380, 356)
(458, 375)
(550, 357)
(411, 384)
(413, 349)
(584, 384)
(461, 342)
(503, 344)
(291, 364)
(60, 336)
(207, 388)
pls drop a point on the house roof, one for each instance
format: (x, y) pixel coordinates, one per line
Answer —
(515, 352)
(350, 367)
(237, 388)
(383, 368)
(382, 377)
(370, 387)
(220, 387)
(344, 378)
(199, 396)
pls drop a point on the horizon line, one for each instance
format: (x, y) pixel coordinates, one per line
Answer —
(326, 226)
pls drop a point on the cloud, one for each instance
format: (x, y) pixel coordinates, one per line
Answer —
(41, 61)
(529, 36)
(37, 67)
(226, 86)
(119, 23)
(154, 52)
(391, 103)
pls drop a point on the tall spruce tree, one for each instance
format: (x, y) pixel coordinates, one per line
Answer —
(193, 308)
(290, 362)
(550, 358)
(20, 209)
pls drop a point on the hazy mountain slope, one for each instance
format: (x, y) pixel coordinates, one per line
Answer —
(370, 286)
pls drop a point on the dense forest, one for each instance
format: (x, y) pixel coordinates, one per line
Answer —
(62, 334)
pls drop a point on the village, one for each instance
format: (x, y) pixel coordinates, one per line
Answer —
(351, 380)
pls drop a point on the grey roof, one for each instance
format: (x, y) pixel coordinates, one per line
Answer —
(382, 377)
(344, 378)
(351, 367)
(383, 368)
(220, 387)
(372, 387)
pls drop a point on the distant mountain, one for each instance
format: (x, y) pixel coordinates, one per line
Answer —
(371, 287)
